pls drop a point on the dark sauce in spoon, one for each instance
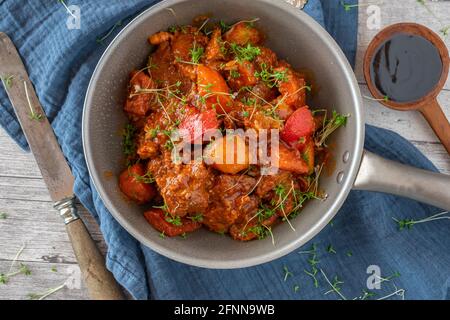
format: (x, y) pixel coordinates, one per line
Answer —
(406, 68)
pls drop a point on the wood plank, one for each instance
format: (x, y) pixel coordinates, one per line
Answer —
(396, 12)
(436, 153)
(38, 225)
(41, 279)
(15, 162)
(410, 124)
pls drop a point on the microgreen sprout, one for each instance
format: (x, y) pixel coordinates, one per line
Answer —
(249, 23)
(23, 269)
(330, 249)
(100, 40)
(147, 178)
(409, 223)
(272, 78)
(224, 26)
(163, 208)
(272, 112)
(313, 262)
(329, 126)
(45, 294)
(248, 53)
(196, 54)
(4, 278)
(197, 218)
(173, 29)
(175, 220)
(235, 74)
(128, 145)
(287, 273)
(313, 274)
(335, 285)
(384, 99)
(397, 292)
(67, 8)
(33, 115)
(395, 275)
(348, 6)
(7, 81)
(445, 31)
(203, 25)
(366, 295)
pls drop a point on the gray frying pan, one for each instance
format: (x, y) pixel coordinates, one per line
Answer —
(293, 35)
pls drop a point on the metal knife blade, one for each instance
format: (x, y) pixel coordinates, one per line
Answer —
(38, 131)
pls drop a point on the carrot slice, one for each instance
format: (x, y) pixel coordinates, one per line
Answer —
(214, 89)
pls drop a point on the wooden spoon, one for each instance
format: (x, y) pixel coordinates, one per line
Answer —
(428, 104)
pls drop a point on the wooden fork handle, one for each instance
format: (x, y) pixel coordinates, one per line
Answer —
(438, 121)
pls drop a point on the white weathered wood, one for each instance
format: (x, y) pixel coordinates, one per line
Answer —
(409, 124)
(41, 279)
(38, 225)
(31, 218)
(14, 162)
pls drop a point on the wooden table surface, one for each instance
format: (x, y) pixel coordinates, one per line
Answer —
(31, 220)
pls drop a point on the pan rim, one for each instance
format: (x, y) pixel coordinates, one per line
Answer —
(346, 186)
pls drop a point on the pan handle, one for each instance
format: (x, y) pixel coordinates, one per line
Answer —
(382, 175)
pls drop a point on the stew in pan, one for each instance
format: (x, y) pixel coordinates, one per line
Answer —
(221, 78)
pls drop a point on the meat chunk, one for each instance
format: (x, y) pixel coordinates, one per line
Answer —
(230, 202)
(151, 139)
(184, 43)
(262, 91)
(215, 47)
(293, 88)
(184, 187)
(252, 227)
(139, 102)
(160, 37)
(241, 75)
(261, 120)
(266, 58)
(164, 72)
(278, 192)
(242, 33)
(290, 159)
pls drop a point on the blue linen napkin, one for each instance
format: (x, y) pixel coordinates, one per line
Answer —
(60, 63)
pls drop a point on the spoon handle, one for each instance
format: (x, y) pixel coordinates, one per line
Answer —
(436, 118)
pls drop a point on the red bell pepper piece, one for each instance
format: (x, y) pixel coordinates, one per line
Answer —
(131, 184)
(196, 125)
(168, 225)
(299, 126)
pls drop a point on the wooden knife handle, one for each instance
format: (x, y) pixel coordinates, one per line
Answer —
(98, 280)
